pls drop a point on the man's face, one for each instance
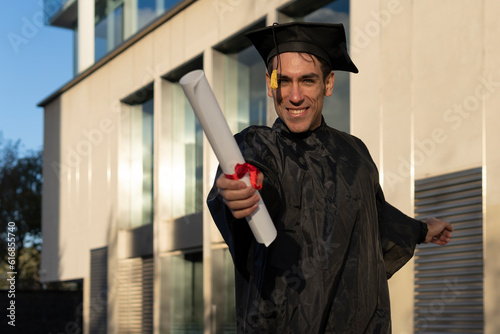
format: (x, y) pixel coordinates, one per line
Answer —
(301, 90)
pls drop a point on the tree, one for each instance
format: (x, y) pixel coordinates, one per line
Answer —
(20, 203)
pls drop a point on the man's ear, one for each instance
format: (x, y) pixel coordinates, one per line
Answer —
(268, 81)
(330, 79)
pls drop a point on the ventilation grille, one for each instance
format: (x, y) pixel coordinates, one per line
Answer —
(98, 290)
(449, 280)
(135, 296)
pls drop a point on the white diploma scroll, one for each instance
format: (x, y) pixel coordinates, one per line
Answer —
(209, 114)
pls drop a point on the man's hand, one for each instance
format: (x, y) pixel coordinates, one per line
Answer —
(239, 198)
(439, 231)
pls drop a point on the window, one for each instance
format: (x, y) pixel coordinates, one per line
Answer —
(187, 146)
(182, 293)
(223, 287)
(75, 48)
(244, 89)
(146, 12)
(101, 30)
(141, 153)
(245, 93)
(117, 23)
(113, 25)
(108, 26)
(139, 158)
(167, 4)
(187, 150)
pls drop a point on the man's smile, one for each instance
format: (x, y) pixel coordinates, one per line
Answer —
(297, 111)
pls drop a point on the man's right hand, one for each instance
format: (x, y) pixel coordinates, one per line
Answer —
(239, 198)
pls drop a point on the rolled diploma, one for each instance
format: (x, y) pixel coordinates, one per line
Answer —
(209, 114)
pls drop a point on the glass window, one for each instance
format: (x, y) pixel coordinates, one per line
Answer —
(101, 30)
(167, 4)
(146, 12)
(182, 293)
(108, 27)
(117, 30)
(110, 24)
(336, 108)
(163, 6)
(187, 136)
(223, 291)
(75, 48)
(141, 158)
(245, 89)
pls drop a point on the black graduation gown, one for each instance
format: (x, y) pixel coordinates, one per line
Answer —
(338, 239)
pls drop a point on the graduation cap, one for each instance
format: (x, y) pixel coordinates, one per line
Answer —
(323, 40)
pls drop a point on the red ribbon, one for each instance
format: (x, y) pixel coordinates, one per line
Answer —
(241, 169)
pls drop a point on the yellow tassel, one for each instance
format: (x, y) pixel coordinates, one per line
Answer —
(274, 80)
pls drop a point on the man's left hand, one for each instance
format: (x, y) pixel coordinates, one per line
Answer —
(439, 231)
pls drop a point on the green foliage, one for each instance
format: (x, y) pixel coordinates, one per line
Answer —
(20, 203)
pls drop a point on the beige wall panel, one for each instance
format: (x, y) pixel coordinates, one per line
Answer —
(365, 86)
(395, 92)
(231, 16)
(74, 193)
(162, 48)
(492, 162)
(203, 34)
(101, 127)
(143, 69)
(396, 118)
(66, 176)
(122, 84)
(177, 48)
(234, 15)
(447, 60)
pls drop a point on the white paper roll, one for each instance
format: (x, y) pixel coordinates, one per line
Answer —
(209, 114)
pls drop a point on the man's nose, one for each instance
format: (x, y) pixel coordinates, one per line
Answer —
(296, 96)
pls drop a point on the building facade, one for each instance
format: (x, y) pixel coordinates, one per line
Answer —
(127, 168)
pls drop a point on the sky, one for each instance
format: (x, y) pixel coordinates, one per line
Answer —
(35, 61)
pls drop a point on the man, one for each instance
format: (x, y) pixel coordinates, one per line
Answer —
(338, 239)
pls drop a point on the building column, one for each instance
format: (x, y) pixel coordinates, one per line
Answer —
(86, 45)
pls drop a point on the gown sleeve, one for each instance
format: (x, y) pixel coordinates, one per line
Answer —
(399, 234)
(254, 144)
(234, 231)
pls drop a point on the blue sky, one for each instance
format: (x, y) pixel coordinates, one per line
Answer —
(35, 60)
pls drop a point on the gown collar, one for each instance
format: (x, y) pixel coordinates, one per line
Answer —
(282, 128)
(311, 142)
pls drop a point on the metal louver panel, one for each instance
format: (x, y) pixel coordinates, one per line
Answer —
(135, 296)
(449, 280)
(98, 290)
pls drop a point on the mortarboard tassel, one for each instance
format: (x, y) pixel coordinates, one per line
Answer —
(274, 75)
(274, 80)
